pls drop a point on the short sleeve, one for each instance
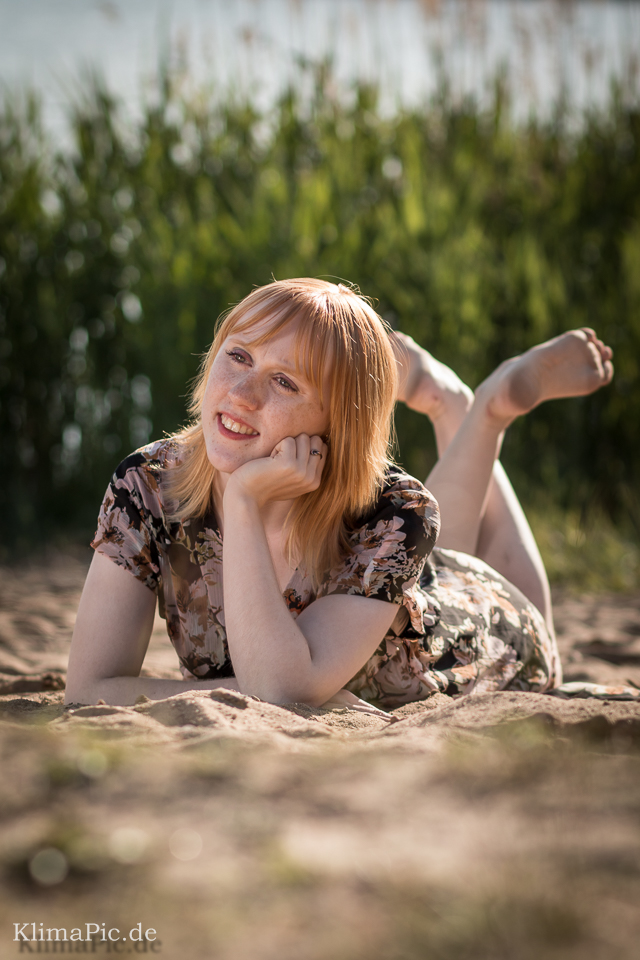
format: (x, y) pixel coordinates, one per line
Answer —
(390, 550)
(131, 521)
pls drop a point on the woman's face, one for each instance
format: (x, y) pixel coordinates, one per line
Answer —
(255, 396)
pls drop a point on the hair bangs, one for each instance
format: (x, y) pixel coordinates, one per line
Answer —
(314, 339)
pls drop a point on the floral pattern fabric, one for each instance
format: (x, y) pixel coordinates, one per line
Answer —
(460, 626)
(487, 637)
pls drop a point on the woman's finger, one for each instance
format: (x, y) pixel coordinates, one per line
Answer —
(286, 448)
(317, 457)
(344, 698)
(303, 446)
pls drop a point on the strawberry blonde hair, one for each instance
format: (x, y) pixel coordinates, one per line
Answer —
(336, 325)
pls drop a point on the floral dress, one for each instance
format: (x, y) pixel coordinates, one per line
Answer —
(460, 627)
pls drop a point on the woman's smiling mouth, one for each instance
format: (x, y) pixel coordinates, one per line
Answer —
(235, 428)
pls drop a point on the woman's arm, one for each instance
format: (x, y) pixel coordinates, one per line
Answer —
(275, 657)
(110, 639)
(327, 645)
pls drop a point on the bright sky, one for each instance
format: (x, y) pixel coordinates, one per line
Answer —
(254, 44)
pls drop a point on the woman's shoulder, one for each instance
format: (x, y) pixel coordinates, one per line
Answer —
(389, 546)
(132, 519)
(403, 496)
(153, 457)
(139, 477)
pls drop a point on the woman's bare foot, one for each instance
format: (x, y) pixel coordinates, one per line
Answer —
(571, 365)
(430, 387)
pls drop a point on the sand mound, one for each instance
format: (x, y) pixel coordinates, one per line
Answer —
(497, 825)
(202, 716)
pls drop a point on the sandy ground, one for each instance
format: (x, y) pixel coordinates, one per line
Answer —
(500, 825)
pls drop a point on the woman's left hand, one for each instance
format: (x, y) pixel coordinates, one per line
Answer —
(344, 698)
(293, 469)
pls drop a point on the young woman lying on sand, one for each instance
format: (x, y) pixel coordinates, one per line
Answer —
(292, 560)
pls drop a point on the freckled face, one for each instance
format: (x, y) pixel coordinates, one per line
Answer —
(255, 397)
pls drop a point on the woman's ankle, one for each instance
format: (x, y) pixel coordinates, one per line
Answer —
(446, 425)
(428, 386)
(488, 409)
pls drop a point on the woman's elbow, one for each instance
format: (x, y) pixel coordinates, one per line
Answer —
(82, 690)
(85, 686)
(79, 695)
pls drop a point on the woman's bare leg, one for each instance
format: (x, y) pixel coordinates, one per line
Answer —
(506, 542)
(481, 513)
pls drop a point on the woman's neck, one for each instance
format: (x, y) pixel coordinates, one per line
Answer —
(273, 514)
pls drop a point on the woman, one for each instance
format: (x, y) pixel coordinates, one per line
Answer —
(290, 558)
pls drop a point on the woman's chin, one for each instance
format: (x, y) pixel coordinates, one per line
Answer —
(224, 462)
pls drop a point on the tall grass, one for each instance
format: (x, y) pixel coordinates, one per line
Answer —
(477, 236)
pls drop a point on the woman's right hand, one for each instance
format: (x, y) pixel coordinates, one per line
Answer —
(294, 468)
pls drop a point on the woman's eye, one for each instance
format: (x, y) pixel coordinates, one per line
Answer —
(238, 357)
(285, 383)
(243, 359)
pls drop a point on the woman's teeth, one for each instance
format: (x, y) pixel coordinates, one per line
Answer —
(237, 427)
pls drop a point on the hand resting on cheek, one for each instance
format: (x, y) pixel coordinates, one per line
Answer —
(293, 469)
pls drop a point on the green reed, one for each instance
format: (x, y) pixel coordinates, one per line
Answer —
(477, 236)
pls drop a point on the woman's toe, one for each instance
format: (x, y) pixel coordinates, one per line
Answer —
(606, 353)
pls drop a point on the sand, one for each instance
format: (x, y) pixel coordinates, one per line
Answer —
(497, 825)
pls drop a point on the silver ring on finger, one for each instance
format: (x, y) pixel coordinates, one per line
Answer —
(315, 453)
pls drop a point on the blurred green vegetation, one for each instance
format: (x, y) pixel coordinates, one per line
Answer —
(589, 552)
(477, 236)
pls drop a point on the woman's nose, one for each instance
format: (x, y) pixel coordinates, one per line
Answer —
(247, 392)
